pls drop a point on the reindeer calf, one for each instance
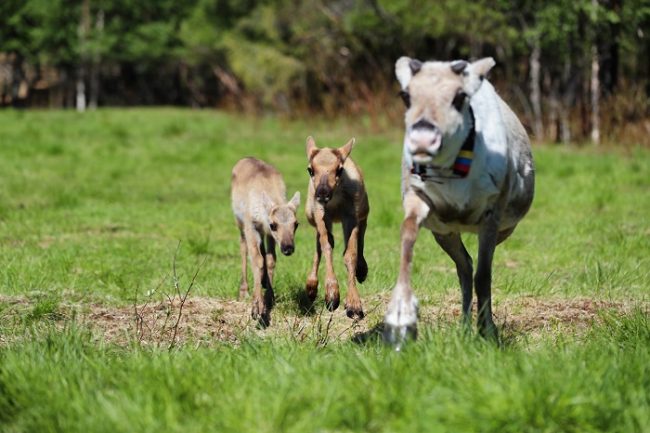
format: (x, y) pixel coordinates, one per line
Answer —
(337, 194)
(262, 213)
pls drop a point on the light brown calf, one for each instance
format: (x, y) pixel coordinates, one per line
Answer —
(263, 214)
(337, 194)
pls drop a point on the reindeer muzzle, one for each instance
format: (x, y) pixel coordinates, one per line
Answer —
(287, 249)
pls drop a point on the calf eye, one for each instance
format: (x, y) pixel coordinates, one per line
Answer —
(459, 100)
(295, 227)
(310, 171)
(339, 171)
(405, 97)
(273, 226)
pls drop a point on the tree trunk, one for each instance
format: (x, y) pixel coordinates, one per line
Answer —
(84, 28)
(595, 79)
(535, 93)
(595, 95)
(94, 67)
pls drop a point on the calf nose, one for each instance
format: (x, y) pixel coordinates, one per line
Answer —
(287, 250)
(323, 195)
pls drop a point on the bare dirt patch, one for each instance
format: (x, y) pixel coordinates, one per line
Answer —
(209, 321)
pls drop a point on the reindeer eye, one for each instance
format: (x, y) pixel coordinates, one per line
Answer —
(273, 226)
(339, 171)
(295, 227)
(459, 100)
(310, 171)
(406, 98)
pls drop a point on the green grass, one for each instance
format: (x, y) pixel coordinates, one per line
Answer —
(93, 205)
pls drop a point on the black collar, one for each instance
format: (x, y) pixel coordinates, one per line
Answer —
(461, 166)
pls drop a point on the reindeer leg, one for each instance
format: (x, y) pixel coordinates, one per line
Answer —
(452, 244)
(362, 266)
(352, 301)
(269, 265)
(312, 280)
(243, 282)
(401, 316)
(256, 254)
(487, 241)
(324, 227)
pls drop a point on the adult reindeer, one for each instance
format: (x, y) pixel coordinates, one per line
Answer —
(466, 167)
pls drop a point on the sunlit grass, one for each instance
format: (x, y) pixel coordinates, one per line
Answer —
(92, 208)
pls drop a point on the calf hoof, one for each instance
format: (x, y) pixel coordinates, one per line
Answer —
(361, 270)
(398, 336)
(332, 297)
(243, 294)
(354, 313)
(261, 314)
(311, 288)
(332, 303)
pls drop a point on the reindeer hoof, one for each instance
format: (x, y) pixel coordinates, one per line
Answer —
(398, 336)
(261, 314)
(332, 303)
(354, 313)
(488, 330)
(332, 297)
(243, 293)
(311, 288)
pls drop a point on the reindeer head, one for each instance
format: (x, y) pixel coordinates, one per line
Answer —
(283, 223)
(436, 95)
(326, 167)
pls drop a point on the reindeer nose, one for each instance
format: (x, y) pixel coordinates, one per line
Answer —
(323, 195)
(424, 140)
(287, 250)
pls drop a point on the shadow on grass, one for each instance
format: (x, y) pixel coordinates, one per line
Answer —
(306, 306)
(373, 335)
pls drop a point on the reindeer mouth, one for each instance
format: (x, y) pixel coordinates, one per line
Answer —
(422, 157)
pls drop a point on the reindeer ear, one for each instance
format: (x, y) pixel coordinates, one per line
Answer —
(311, 147)
(295, 200)
(346, 148)
(474, 73)
(405, 68)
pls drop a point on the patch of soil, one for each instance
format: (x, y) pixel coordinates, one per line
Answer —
(209, 321)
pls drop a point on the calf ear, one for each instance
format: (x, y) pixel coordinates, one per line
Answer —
(474, 74)
(346, 149)
(311, 147)
(295, 200)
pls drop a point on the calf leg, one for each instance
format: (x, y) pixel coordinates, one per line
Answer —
(362, 266)
(352, 300)
(452, 244)
(270, 259)
(324, 228)
(269, 268)
(256, 254)
(487, 241)
(312, 279)
(401, 316)
(243, 282)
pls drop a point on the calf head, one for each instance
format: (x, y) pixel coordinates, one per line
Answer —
(436, 95)
(326, 167)
(283, 222)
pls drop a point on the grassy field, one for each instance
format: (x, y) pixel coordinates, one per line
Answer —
(92, 210)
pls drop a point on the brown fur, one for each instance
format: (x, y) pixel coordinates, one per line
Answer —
(337, 194)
